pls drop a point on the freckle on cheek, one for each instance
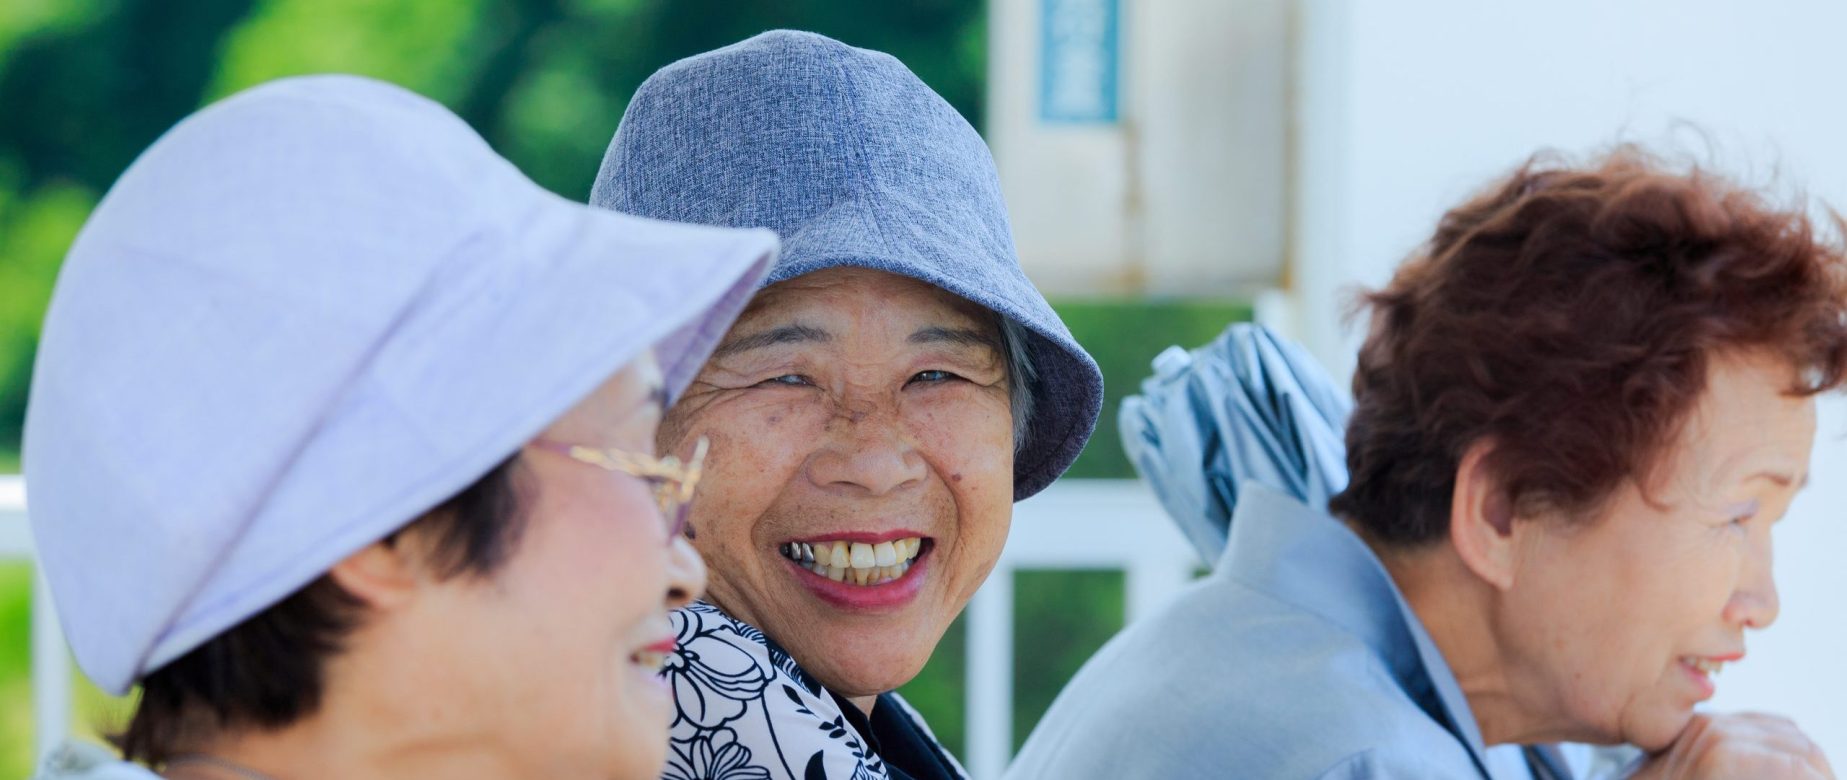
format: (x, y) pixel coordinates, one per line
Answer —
(955, 477)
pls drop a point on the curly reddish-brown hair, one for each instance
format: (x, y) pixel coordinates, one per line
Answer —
(1568, 315)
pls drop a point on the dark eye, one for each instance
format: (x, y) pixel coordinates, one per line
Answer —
(933, 376)
(1743, 513)
(790, 380)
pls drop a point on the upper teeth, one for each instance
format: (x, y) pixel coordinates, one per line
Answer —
(857, 562)
(1704, 665)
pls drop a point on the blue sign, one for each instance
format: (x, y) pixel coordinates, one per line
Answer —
(1079, 60)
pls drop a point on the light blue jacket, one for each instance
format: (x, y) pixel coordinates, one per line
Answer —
(1296, 658)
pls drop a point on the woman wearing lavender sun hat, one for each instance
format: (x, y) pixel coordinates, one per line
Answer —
(873, 414)
(341, 447)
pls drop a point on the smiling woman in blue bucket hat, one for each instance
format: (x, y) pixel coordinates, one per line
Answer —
(341, 447)
(874, 413)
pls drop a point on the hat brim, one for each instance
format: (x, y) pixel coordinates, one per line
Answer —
(472, 375)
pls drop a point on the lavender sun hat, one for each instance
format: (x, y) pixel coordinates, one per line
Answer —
(302, 318)
(854, 162)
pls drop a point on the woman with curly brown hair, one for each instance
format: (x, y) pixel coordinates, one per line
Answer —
(1580, 409)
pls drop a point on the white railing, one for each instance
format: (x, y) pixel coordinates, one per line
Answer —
(51, 669)
(1075, 524)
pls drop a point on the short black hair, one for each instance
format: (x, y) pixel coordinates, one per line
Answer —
(267, 672)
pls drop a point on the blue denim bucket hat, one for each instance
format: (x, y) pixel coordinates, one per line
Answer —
(853, 161)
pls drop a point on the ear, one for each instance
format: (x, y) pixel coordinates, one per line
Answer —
(1481, 524)
(385, 574)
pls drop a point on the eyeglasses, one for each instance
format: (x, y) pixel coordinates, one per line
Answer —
(673, 480)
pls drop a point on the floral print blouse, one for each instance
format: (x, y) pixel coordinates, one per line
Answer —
(744, 710)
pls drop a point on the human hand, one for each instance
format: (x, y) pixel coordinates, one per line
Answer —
(1744, 745)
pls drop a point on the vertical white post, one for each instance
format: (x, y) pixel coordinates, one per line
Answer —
(1150, 580)
(1275, 309)
(1322, 262)
(990, 675)
(51, 672)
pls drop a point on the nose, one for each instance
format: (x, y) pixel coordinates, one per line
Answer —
(685, 573)
(1754, 604)
(866, 451)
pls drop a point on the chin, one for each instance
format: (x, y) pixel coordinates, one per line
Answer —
(1658, 728)
(871, 682)
(850, 671)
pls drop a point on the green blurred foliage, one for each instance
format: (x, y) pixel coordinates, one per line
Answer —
(938, 691)
(1124, 336)
(34, 232)
(88, 84)
(1060, 618)
(432, 48)
(37, 17)
(15, 670)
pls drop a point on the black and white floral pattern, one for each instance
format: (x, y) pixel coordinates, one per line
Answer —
(746, 711)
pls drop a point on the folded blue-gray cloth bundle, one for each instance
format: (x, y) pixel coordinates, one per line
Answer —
(1249, 406)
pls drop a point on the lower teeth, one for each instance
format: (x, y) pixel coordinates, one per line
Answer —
(873, 576)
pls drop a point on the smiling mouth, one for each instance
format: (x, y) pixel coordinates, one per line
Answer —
(856, 563)
(1705, 666)
(653, 658)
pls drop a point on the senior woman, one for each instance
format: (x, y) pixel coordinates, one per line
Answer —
(1579, 411)
(873, 414)
(341, 447)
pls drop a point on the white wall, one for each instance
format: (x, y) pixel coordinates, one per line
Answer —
(1405, 107)
(1065, 185)
(1184, 194)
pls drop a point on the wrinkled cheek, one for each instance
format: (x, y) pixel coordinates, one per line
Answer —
(985, 535)
(972, 449)
(1624, 687)
(983, 516)
(983, 489)
(750, 464)
(977, 470)
(970, 416)
(767, 453)
(1652, 723)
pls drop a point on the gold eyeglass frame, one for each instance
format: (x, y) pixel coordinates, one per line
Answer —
(673, 480)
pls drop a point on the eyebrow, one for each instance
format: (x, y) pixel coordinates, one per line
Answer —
(787, 334)
(1782, 479)
(967, 337)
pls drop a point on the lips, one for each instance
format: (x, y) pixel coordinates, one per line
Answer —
(1702, 668)
(653, 658)
(861, 572)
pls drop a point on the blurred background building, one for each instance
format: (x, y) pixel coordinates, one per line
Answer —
(1170, 166)
(1144, 147)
